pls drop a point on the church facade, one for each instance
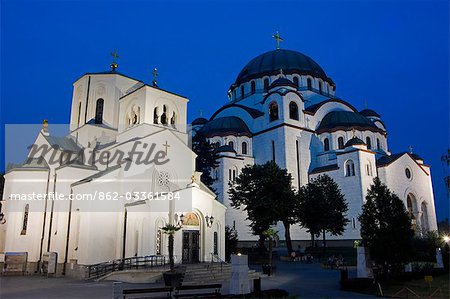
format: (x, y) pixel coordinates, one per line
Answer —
(104, 191)
(283, 108)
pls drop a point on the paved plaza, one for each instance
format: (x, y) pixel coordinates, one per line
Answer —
(301, 280)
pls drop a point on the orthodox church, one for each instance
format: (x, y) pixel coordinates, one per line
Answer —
(282, 107)
(104, 191)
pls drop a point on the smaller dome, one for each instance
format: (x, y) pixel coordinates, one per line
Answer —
(225, 149)
(354, 141)
(225, 126)
(282, 82)
(345, 120)
(199, 121)
(369, 112)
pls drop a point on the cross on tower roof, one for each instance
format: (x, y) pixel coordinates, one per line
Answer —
(155, 74)
(278, 38)
(410, 149)
(114, 64)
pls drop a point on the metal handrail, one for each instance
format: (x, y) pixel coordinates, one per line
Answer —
(136, 262)
(218, 260)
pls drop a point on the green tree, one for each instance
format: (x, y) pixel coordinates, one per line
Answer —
(265, 193)
(206, 159)
(231, 240)
(322, 208)
(386, 227)
(170, 230)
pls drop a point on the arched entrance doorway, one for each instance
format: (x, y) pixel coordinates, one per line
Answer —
(191, 238)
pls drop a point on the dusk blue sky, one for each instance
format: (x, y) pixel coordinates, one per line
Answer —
(392, 54)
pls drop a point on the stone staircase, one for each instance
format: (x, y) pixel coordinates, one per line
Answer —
(208, 273)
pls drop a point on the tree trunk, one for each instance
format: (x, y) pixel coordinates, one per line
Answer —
(312, 240)
(287, 236)
(261, 245)
(270, 251)
(171, 261)
(324, 242)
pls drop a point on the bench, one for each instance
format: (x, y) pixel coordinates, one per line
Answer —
(215, 293)
(121, 293)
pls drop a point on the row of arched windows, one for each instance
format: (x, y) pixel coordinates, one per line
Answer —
(341, 144)
(244, 146)
(274, 115)
(163, 118)
(266, 84)
(349, 168)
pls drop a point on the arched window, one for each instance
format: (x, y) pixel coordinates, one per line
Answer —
(231, 144)
(79, 114)
(424, 217)
(242, 91)
(378, 144)
(349, 168)
(326, 144)
(368, 142)
(340, 142)
(99, 111)
(293, 110)
(309, 83)
(411, 205)
(164, 115)
(25, 220)
(172, 119)
(253, 87)
(155, 115)
(244, 148)
(217, 144)
(266, 84)
(273, 111)
(320, 87)
(296, 82)
(135, 115)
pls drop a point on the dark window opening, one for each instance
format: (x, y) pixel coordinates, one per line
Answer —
(244, 148)
(253, 87)
(266, 85)
(293, 111)
(326, 144)
(99, 111)
(296, 82)
(341, 142)
(273, 111)
(369, 142)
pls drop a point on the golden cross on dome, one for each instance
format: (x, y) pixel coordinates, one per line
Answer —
(114, 64)
(278, 38)
(410, 149)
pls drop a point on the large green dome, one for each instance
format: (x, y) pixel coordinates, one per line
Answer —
(289, 61)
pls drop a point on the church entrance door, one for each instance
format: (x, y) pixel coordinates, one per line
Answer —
(191, 242)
